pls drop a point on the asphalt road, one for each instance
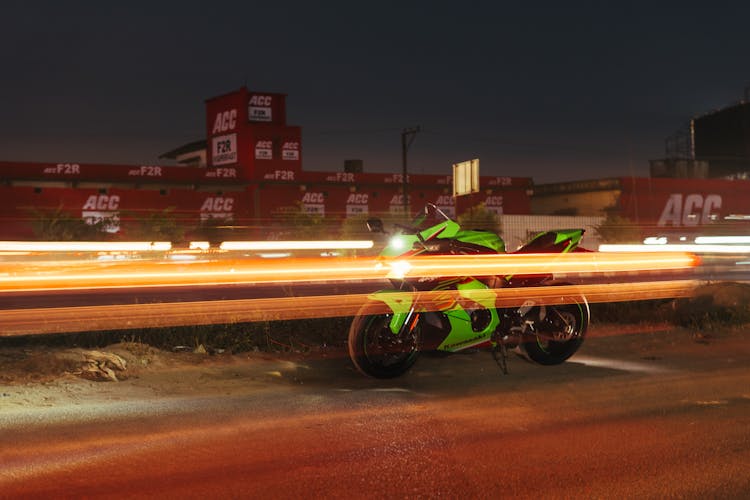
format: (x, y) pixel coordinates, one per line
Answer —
(642, 415)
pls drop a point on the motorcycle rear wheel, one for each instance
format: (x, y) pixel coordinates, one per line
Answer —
(375, 350)
(559, 334)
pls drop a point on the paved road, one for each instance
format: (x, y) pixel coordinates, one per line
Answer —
(643, 415)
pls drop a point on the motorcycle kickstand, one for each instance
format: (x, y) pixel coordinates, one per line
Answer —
(502, 358)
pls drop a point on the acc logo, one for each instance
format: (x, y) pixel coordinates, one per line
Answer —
(102, 202)
(313, 198)
(693, 211)
(217, 207)
(260, 100)
(102, 208)
(218, 204)
(224, 121)
(357, 198)
(264, 150)
(445, 199)
(494, 201)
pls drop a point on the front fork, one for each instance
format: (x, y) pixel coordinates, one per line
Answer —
(409, 322)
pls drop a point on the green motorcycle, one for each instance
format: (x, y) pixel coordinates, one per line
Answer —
(452, 314)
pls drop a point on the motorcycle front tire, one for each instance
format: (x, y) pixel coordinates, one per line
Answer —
(375, 350)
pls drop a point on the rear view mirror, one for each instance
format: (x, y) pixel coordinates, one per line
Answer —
(375, 225)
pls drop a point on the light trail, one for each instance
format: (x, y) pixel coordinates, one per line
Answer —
(655, 247)
(298, 245)
(25, 247)
(24, 276)
(722, 240)
(51, 320)
(28, 247)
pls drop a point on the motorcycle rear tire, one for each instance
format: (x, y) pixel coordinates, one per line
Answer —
(545, 351)
(375, 350)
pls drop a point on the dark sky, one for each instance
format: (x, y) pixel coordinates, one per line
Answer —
(550, 90)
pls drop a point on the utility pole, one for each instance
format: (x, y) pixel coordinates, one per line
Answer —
(407, 137)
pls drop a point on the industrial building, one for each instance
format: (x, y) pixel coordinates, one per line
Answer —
(247, 176)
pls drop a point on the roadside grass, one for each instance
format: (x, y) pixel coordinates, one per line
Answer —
(267, 336)
(713, 306)
(641, 311)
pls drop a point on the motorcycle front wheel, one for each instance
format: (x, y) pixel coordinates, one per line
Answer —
(559, 334)
(375, 350)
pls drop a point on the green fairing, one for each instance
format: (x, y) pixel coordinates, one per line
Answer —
(482, 238)
(574, 235)
(445, 230)
(461, 334)
(399, 302)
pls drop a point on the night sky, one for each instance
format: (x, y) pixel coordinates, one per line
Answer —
(549, 90)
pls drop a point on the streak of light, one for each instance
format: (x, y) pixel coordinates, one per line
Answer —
(26, 247)
(722, 240)
(701, 240)
(199, 245)
(85, 246)
(154, 315)
(183, 256)
(16, 276)
(687, 247)
(298, 245)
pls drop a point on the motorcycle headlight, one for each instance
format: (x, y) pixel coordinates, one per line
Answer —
(397, 243)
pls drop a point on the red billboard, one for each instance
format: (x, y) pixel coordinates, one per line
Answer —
(226, 116)
(684, 204)
(266, 108)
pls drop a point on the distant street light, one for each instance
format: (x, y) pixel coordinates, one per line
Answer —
(407, 137)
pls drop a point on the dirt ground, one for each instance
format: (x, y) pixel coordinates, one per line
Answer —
(45, 377)
(41, 376)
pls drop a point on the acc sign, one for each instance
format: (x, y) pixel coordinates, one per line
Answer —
(218, 207)
(102, 202)
(356, 204)
(314, 203)
(224, 149)
(696, 209)
(259, 108)
(290, 151)
(225, 121)
(102, 209)
(264, 150)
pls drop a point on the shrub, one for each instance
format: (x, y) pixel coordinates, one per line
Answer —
(617, 229)
(480, 217)
(156, 225)
(714, 305)
(61, 225)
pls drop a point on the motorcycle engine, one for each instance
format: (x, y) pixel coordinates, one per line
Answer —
(480, 319)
